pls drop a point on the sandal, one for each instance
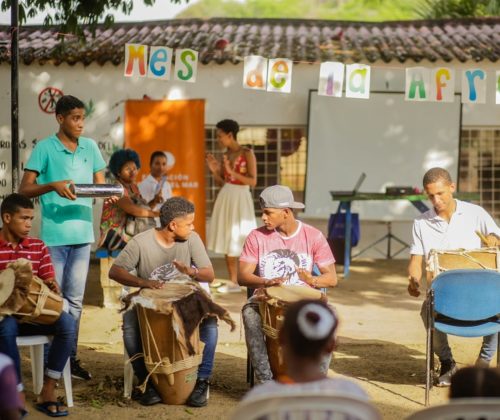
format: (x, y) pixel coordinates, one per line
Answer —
(44, 408)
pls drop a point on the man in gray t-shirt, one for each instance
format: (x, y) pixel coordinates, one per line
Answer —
(151, 260)
(156, 256)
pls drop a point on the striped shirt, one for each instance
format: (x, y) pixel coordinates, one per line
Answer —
(33, 250)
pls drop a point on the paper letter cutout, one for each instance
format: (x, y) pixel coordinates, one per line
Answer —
(160, 61)
(135, 53)
(331, 79)
(357, 81)
(186, 64)
(474, 86)
(280, 75)
(443, 85)
(255, 72)
(417, 84)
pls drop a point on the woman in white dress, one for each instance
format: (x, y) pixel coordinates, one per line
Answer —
(233, 216)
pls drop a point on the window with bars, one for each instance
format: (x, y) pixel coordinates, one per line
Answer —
(479, 166)
(281, 159)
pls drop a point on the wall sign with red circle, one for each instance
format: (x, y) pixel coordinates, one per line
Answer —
(48, 98)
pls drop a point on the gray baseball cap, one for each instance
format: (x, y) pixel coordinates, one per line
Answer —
(279, 197)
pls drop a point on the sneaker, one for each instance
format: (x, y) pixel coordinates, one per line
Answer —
(199, 396)
(79, 372)
(448, 369)
(150, 396)
(229, 289)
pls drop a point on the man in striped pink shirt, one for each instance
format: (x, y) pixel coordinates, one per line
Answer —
(17, 214)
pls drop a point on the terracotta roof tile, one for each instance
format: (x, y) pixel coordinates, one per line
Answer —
(223, 40)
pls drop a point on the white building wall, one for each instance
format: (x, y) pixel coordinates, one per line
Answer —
(219, 85)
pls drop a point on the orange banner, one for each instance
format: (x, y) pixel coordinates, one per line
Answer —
(178, 129)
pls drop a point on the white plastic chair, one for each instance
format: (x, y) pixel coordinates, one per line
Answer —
(36, 343)
(461, 409)
(310, 406)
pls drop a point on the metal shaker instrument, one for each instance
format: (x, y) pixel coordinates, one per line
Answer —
(97, 190)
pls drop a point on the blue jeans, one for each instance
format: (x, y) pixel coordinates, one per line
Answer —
(63, 331)
(71, 263)
(133, 344)
(443, 350)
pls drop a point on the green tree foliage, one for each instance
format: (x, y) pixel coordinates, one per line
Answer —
(70, 15)
(439, 9)
(359, 10)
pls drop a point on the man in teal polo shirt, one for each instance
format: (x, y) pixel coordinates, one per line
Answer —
(67, 228)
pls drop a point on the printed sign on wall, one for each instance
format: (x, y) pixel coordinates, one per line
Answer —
(179, 127)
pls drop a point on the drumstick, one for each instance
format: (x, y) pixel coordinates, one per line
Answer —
(483, 238)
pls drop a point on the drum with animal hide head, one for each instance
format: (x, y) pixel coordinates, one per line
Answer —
(30, 299)
(272, 311)
(444, 260)
(170, 356)
(169, 320)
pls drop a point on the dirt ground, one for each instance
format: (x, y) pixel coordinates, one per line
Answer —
(381, 347)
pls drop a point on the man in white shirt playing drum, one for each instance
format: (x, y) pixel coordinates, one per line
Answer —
(450, 224)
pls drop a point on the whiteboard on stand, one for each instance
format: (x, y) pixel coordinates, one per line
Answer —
(392, 140)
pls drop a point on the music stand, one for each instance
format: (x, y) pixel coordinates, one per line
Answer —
(388, 236)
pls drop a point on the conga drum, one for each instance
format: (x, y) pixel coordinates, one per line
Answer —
(42, 305)
(272, 311)
(166, 349)
(30, 299)
(444, 260)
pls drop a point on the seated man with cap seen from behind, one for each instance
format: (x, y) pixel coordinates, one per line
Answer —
(308, 333)
(285, 251)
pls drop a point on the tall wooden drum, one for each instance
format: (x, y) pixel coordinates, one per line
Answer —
(167, 357)
(272, 311)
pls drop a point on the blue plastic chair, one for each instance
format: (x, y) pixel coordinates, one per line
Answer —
(465, 303)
